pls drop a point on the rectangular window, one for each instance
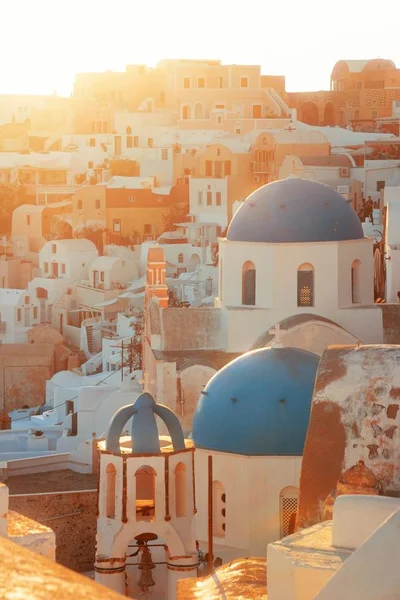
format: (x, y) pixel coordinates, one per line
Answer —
(28, 219)
(220, 106)
(201, 82)
(380, 185)
(18, 314)
(54, 248)
(129, 141)
(97, 204)
(102, 276)
(220, 82)
(136, 142)
(244, 82)
(150, 142)
(257, 111)
(228, 167)
(63, 268)
(209, 198)
(92, 142)
(305, 288)
(359, 85)
(218, 199)
(26, 299)
(186, 82)
(46, 267)
(208, 168)
(200, 198)
(35, 312)
(117, 225)
(164, 154)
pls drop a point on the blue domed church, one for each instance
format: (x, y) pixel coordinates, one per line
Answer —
(294, 269)
(252, 419)
(295, 255)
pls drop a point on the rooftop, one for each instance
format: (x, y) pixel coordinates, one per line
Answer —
(242, 579)
(29, 576)
(52, 481)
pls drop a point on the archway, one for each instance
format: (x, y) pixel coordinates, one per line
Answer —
(146, 548)
(329, 114)
(309, 113)
(190, 384)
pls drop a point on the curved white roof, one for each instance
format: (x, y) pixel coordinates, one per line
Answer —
(10, 297)
(75, 245)
(104, 263)
(38, 208)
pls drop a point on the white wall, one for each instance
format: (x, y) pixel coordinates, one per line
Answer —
(203, 212)
(76, 262)
(252, 487)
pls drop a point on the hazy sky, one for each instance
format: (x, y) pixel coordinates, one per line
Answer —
(43, 43)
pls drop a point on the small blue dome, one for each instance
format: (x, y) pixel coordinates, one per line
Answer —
(145, 439)
(259, 404)
(295, 210)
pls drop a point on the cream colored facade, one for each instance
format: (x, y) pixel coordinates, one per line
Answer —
(353, 556)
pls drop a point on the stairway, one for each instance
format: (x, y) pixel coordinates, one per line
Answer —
(284, 110)
(89, 337)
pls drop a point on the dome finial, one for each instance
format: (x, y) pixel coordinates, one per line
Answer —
(276, 332)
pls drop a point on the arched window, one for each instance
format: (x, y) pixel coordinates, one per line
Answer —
(248, 284)
(129, 131)
(219, 509)
(145, 494)
(305, 285)
(180, 258)
(110, 501)
(356, 281)
(288, 500)
(198, 111)
(180, 490)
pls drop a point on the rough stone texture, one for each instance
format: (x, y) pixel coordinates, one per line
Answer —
(76, 534)
(245, 578)
(28, 576)
(51, 481)
(351, 421)
(191, 328)
(391, 323)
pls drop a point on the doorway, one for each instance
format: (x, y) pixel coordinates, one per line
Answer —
(54, 269)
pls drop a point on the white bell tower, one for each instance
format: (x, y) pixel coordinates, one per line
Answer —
(145, 527)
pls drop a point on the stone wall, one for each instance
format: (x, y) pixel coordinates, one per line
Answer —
(355, 416)
(75, 534)
(191, 328)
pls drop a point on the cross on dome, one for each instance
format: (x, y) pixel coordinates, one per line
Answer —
(276, 332)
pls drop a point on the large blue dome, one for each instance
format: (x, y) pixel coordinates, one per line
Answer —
(295, 210)
(258, 404)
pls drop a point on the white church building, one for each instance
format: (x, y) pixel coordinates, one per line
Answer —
(295, 266)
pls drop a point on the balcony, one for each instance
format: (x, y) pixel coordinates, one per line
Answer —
(260, 167)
